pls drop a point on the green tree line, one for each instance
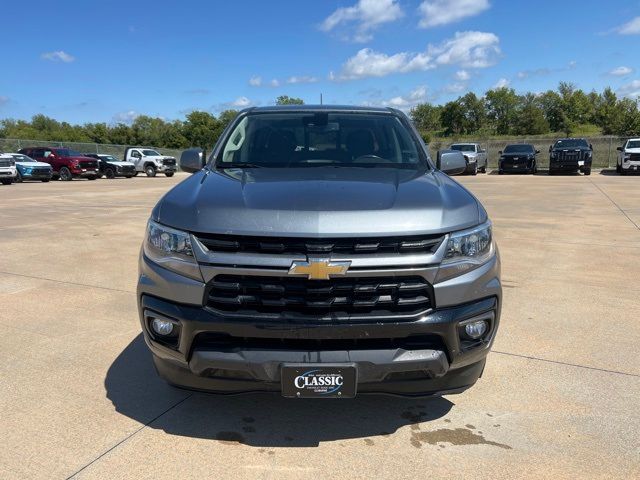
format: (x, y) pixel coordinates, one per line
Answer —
(198, 129)
(503, 112)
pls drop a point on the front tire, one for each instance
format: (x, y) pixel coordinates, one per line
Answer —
(150, 170)
(109, 173)
(534, 168)
(169, 174)
(618, 168)
(136, 174)
(44, 180)
(474, 172)
(18, 178)
(7, 181)
(587, 171)
(65, 174)
(93, 177)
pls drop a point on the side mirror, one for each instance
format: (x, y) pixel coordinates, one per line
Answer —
(591, 146)
(192, 160)
(537, 151)
(620, 149)
(499, 152)
(550, 148)
(452, 162)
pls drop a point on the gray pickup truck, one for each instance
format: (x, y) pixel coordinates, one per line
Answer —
(319, 253)
(475, 155)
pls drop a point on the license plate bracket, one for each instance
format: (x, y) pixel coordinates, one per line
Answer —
(319, 380)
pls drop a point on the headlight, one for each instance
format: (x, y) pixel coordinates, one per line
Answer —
(171, 249)
(466, 250)
(27, 170)
(501, 158)
(627, 157)
(589, 154)
(553, 154)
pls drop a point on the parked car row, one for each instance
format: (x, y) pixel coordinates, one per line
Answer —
(60, 163)
(570, 155)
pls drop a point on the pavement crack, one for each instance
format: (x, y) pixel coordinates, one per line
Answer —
(35, 277)
(135, 432)
(557, 362)
(614, 203)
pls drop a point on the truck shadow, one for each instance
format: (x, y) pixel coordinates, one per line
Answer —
(260, 420)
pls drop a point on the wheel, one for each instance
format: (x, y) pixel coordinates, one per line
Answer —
(128, 176)
(109, 173)
(534, 168)
(500, 172)
(169, 174)
(587, 171)
(551, 172)
(92, 177)
(7, 181)
(18, 178)
(150, 170)
(136, 174)
(475, 169)
(65, 174)
(618, 168)
(44, 180)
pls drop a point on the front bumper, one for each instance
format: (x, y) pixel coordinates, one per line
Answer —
(569, 166)
(166, 168)
(631, 166)
(79, 173)
(8, 172)
(247, 354)
(516, 165)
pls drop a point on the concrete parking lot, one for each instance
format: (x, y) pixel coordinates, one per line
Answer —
(559, 397)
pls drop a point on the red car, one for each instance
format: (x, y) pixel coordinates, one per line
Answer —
(67, 164)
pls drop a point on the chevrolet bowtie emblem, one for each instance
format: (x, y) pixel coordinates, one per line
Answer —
(319, 269)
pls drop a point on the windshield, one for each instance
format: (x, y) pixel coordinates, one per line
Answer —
(109, 158)
(633, 144)
(150, 153)
(23, 158)
(315, 139)
(519, 149)
(463, 148)
(572, 143)
(66, 152)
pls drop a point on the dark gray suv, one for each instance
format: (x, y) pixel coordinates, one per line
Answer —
(319, 253)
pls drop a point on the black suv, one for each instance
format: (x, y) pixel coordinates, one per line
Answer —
(111, 167)
(570, 155)
(520, 157)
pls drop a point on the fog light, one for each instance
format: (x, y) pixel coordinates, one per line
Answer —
(161, 326)
(475, 330)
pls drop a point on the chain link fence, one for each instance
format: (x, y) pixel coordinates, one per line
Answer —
(13, 145)
(604, 148)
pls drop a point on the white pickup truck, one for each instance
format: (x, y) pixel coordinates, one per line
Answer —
(7, 169)
(629, 157)
(150, 162)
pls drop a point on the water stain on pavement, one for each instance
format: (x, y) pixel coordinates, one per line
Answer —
(453, 436)
(369, 442)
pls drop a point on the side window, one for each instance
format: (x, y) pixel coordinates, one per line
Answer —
(136, 154)
(46, 153)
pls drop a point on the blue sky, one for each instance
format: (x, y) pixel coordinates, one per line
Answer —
(109, 61)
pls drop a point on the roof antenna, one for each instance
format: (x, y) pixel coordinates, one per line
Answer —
(321, 99)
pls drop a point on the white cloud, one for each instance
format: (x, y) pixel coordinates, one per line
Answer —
(502, 83)
(443, 12)
(303, 79)
(462, 75)
(405, 102)
(621, 71)
(456, 87)
(631, 90)
(630, 28)
(241, 102)
(467, 49)
(274, 83)
(58, 56)
(125, 117)
(3, 100)
(255, 81)
(367, 15)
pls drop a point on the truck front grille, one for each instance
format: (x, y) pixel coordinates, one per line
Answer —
(310, 246)
(336, 298)
(634, 157)
(169, 161)
(571, 156)
(89, 164)
(5, 163)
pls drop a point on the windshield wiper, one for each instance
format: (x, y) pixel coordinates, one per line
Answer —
(238, 165)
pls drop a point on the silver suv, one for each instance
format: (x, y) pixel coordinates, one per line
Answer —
(319, 253)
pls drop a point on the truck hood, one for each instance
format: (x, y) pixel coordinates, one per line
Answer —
(318, 202)
(632, 150)
(33, 164)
